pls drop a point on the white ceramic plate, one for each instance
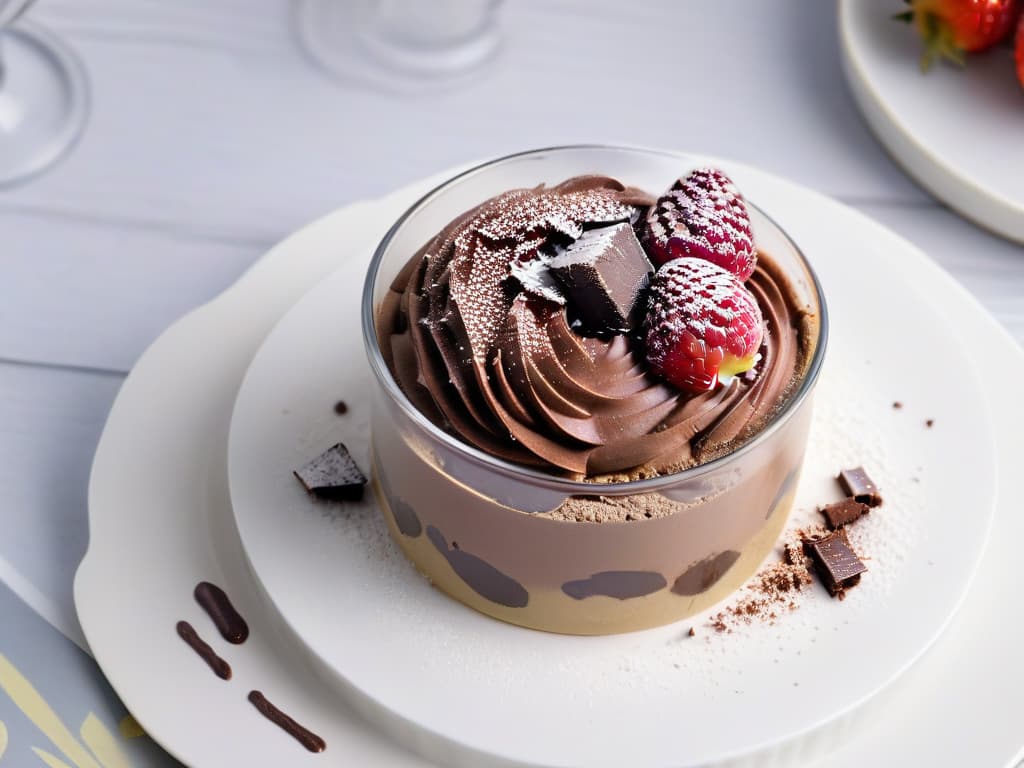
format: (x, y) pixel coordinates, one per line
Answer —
(419, 657)
(160, 521)
(958, 132)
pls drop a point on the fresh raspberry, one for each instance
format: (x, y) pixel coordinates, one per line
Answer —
(701, 323)
(1019, 49)
(951, 28)
(703, 216)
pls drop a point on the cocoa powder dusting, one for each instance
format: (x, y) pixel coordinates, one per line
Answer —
(771, 590)
(617, 509)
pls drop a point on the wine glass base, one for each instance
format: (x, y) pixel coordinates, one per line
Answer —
(337, 37)
(44, 101)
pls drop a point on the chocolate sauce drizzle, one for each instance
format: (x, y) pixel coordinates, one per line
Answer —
(304, 736)
(188, 633)
(215, 602)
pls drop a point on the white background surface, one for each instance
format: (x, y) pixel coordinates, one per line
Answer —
(213, 136)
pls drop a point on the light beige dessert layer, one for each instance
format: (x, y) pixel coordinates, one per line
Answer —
(554, 611)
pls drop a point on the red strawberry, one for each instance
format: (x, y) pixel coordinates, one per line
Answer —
(701, 323)
(951, 28)
(704, 216)
(1019, 51)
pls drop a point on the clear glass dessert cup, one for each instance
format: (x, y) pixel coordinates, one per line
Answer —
(488, 533)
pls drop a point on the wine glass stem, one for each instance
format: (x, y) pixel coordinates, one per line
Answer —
(8, 17)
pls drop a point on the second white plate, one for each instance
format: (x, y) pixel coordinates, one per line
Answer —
(467, 683)
(960, 133)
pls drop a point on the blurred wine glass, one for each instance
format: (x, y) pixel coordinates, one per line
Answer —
(43, 96)
(399, 43)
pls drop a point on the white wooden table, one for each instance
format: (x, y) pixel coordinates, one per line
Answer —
(213, 136)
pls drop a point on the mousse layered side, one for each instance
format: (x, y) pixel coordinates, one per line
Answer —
(586, 566)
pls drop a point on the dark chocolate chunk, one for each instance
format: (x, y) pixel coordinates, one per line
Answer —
(843, 512)
(856, 483)
(835, 561)
(603, 274)
(333, 475)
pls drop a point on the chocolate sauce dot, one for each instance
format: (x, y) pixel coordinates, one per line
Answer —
(341, 407)
(216, 603)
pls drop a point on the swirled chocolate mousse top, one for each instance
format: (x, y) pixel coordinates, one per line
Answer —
(596, 331)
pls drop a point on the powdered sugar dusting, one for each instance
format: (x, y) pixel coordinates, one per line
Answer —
(697, 314)
(535, 278)
(502, 240)
(703, 216)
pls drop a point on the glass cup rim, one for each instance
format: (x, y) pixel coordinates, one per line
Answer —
(573, 487)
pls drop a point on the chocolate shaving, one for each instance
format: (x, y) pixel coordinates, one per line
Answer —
(333, 475)
(856, 483)
(835, 561)
(844, 512)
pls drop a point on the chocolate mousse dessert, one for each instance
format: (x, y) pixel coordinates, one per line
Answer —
(594, 402)
(596, 332)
